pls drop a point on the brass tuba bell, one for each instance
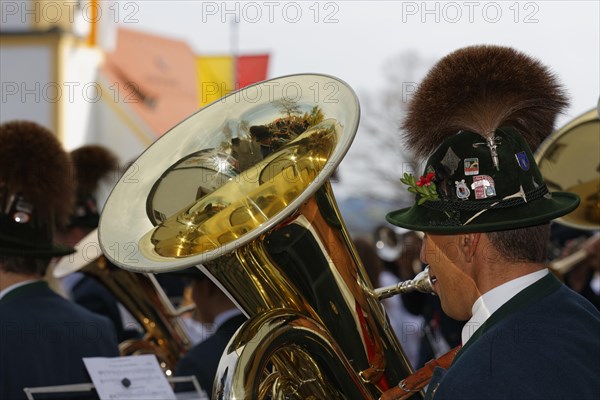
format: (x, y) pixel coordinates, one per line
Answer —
(241, 189)
(569, 160)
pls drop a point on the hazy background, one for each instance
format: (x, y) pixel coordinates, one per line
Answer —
(382, 49)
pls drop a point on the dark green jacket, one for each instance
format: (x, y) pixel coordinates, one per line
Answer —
(43, 338)
(543, 344)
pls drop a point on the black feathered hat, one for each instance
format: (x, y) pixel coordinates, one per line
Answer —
(477, 116)
(92, 163)
(36, 190)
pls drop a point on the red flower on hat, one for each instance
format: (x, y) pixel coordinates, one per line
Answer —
(424, 187)
(426, 180)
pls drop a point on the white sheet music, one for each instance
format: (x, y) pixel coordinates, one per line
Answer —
(129, 378)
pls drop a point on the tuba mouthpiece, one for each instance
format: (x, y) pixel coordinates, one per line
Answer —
(420, 283)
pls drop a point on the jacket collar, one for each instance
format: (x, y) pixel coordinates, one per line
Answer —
(526, 297)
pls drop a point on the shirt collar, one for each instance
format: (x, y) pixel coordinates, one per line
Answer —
(492, 300)
(10, 288)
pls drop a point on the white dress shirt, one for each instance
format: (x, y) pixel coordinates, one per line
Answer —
(491, 301)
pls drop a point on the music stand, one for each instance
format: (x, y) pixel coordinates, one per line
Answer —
(198, 394)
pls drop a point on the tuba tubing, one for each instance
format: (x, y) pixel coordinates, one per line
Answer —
(584, 249)
(141, 295)
(565, 264)
(241, 189)
(147, 302)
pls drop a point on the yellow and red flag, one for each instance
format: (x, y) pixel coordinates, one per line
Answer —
(220, 75)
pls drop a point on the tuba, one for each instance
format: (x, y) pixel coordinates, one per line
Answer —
(241, 190)
(569, 160)
(141, 294)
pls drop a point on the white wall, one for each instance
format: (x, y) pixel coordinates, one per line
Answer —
(28, 86)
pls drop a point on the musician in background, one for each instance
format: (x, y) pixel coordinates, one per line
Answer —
(92, 165)
(370, 261)
(386, 258)
(584, 276)
(212, 306)
(43, 336)
(486, 211)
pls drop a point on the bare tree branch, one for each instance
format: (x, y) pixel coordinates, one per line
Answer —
(378, 152)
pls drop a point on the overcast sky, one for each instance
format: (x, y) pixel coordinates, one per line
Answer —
(353, 40)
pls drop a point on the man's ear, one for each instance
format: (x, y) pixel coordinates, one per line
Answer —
(469, 243)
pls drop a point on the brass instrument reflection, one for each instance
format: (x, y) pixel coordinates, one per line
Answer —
(247, 201)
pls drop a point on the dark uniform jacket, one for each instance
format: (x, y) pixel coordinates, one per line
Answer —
(203, 359)
(43, 338)
(91, 294)
(543, 344)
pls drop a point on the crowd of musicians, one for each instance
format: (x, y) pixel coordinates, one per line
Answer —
(48, 203)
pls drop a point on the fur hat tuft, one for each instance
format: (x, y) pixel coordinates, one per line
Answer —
(34, 164)
(92, 163)
(480, 89)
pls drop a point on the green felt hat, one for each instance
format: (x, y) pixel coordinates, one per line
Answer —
(31, 239)
(36, 190)
(476, 117)
(476, 184)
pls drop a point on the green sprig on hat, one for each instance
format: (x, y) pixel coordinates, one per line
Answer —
(425, 187)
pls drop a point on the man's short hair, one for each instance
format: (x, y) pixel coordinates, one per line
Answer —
(523, 244)
(24, 265)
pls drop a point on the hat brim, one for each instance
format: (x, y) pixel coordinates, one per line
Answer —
(421, 218)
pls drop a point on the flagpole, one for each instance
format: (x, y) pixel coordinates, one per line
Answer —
(94, 21)
(234, 43)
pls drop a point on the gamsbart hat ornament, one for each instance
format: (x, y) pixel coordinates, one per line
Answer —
(477, 116)
(36, 190)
